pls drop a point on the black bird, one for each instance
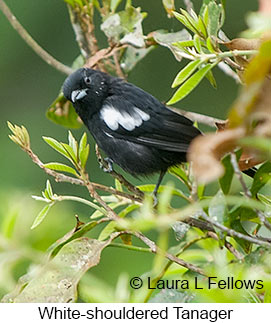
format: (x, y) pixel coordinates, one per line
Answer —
(134, 129)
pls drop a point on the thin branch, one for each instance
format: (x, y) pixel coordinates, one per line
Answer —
(239, 175)
(31, 42)
(118, 176)
(64, 178)
(203, 225)
(228, 245)
(118, 69)
(201, 118)
(233, 233)
(85, 180)
(224, 55)
(92, 192)
(155, 249)
(130, 247)
(228, 71)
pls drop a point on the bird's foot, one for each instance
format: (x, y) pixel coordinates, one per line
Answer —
(107, 166)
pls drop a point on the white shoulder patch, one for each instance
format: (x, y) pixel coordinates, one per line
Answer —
(129, 121)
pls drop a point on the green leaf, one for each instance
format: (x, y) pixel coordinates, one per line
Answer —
(186, 72)
(79, 2)
(210, 77)
(201, 190)
(150, 187)
(70, 153)
(210, 46)
(107, 230)
(8, 224)
(262, 176)
(57, 280)
(41, 216)
(62, 112)
(73, 144)
(56, 146)
(60, 167)
(49, 189)
(197, 43)
(180, 174)
(218, 211)
(70, 2)
(83, 150)
(202, 27)
(171, 41)
(188, 23)
(265, 199)
(214, 14)
(75, 233)
(118, 185)
(190, 84)
(226, 180)
(128, 209)
(113, 206)
(184, 43)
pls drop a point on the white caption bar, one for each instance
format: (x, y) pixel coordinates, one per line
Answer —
(155, 312)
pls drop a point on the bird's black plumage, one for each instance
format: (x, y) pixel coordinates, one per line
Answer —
(132, 127)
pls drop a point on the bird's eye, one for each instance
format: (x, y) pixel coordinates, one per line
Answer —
(87, 80)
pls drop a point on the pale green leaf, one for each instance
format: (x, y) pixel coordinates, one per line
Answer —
(69, 151)
(83, 150)
(60, 167)
(202, 27)
(56, 280)
(107, 230)
(197, 43)
(190, 84)
(41, 216)
(186, 72)
(56, 146)
(185, 22)
(73, 144)
(49, 188)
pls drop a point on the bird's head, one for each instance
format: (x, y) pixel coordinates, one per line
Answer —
(85, 88)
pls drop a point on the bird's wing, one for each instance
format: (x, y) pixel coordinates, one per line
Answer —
(145, 120)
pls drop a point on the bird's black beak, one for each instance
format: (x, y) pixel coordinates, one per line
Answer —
(78, 94)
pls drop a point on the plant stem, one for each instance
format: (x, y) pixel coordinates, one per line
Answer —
(64, 178)
(130, 247)
(80, 200)
(231, 53)
(50, 60)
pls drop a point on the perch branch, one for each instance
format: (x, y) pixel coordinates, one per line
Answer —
(201, 118)
(64, 178)
(155, 249)
(118, 176)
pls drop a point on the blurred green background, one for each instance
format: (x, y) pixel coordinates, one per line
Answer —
(27, 87)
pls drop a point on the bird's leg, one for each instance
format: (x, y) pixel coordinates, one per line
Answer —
(155, 191)
(107, 166)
